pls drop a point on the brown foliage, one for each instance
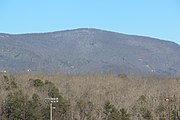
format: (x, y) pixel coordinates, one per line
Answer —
(123, 91)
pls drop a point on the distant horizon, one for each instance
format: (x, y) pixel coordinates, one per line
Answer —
(88, 28)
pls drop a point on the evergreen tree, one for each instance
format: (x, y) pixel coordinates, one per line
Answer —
(62, 108)
(124, 115)
(34, 108)
(111, 113)
(15, 106)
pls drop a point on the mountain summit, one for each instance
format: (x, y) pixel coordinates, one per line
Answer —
(88, 51)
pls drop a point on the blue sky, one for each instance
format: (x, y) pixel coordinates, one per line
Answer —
(154, 18)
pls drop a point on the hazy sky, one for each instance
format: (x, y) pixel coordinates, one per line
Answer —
(155, 18)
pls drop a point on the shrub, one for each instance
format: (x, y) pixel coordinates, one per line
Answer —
(38, 83)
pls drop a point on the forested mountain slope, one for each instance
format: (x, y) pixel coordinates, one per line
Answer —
(88, 51)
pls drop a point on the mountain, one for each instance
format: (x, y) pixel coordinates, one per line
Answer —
(88, 51)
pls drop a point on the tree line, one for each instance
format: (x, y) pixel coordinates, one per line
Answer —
(18, 105)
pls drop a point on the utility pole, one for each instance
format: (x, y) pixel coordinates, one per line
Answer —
(51, 111)
(51, 101)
